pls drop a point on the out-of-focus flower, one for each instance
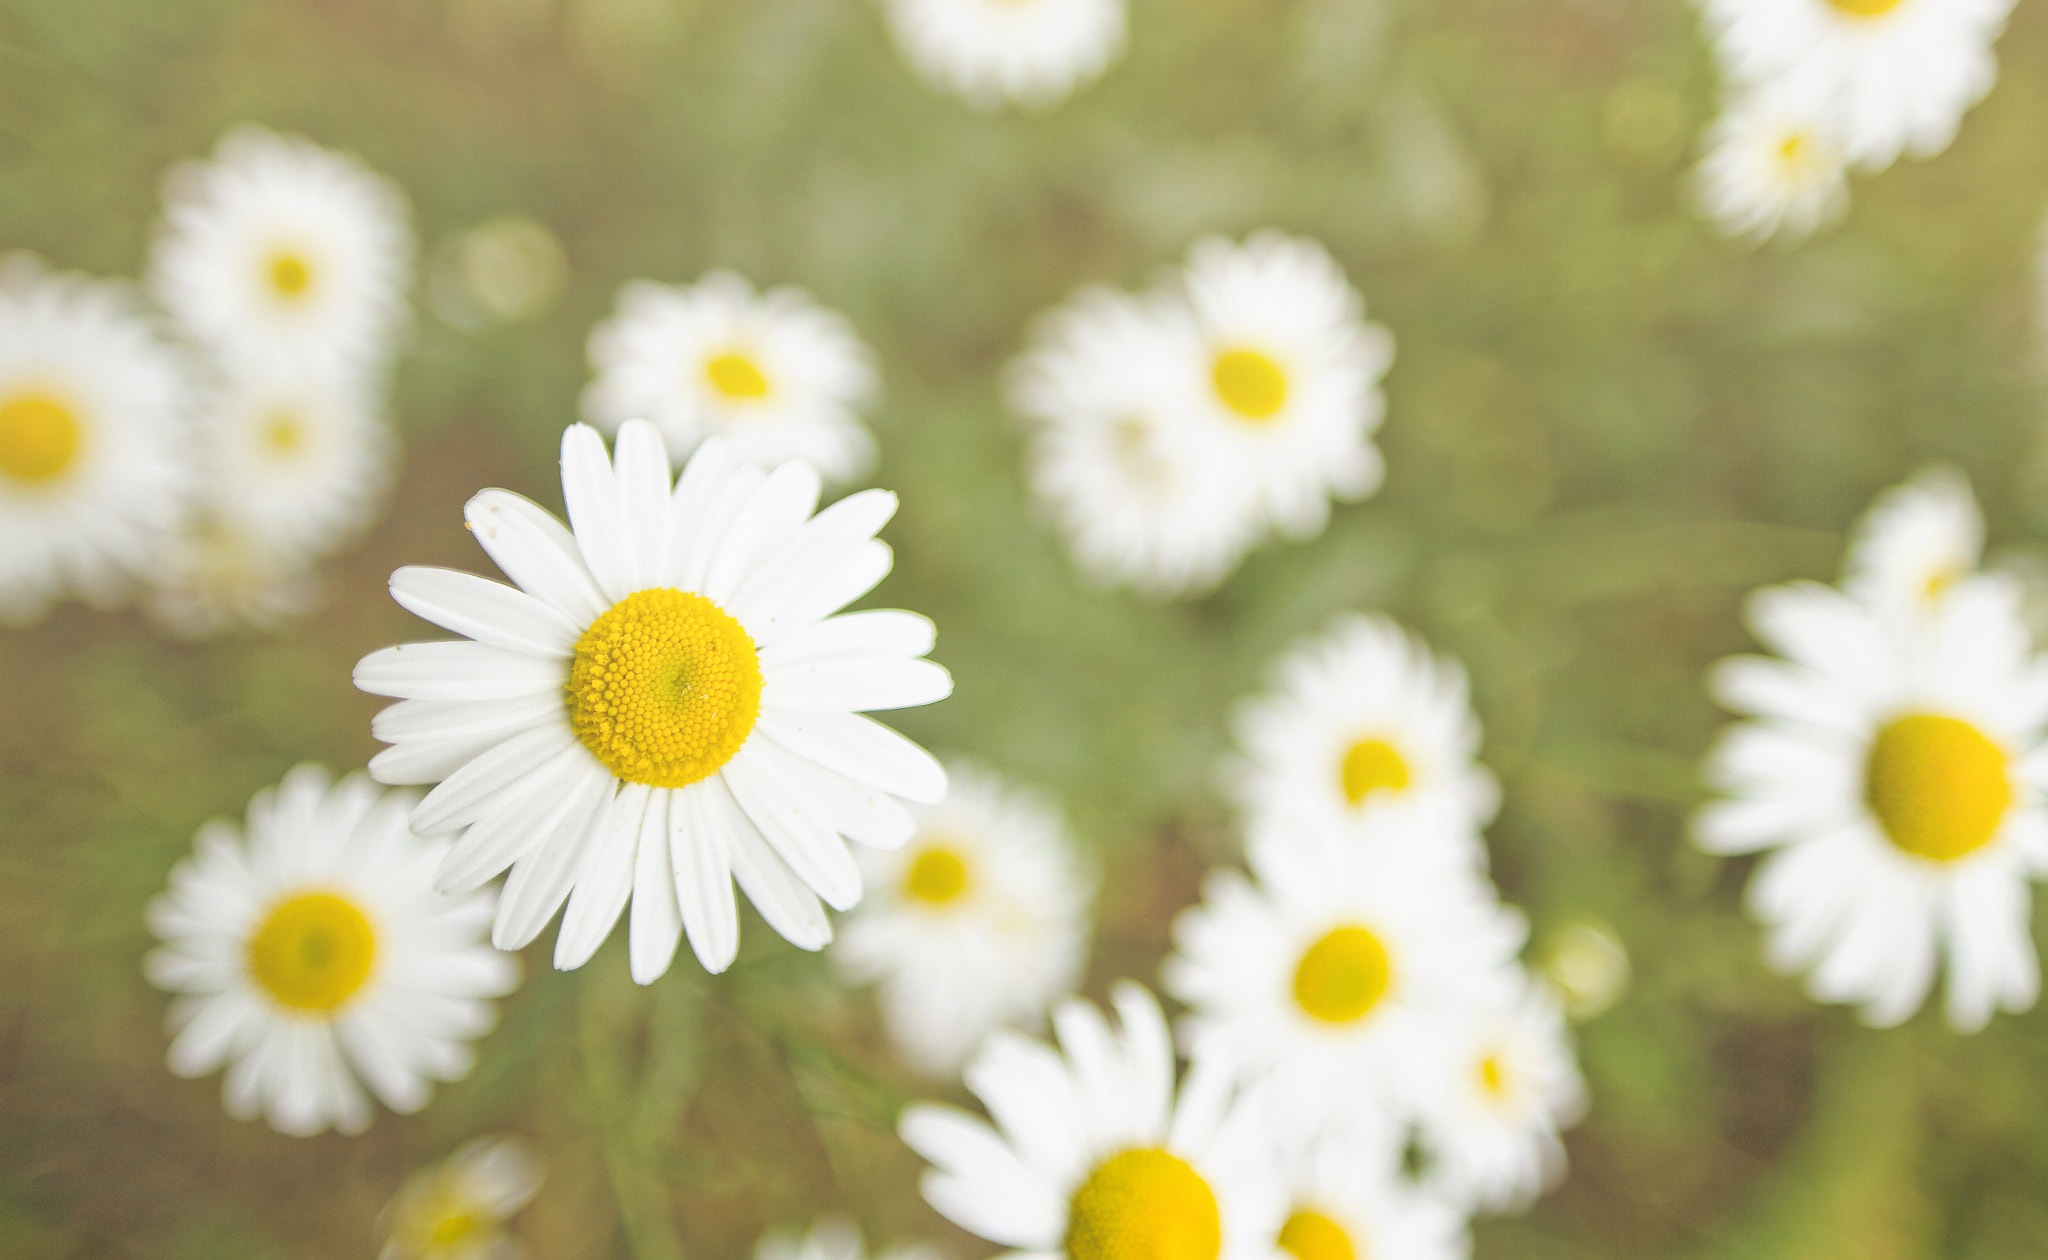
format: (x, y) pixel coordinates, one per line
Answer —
(215, 578)
(779, 375)
(1772, 168)
(833, 1238)
(1917, 540)
(316, 954)
(1023, 52)
(981, 920)
(663, 702)
(1586, 963)
(299, 462)
(1349, 1200)
(504, 270)
(457, 1209)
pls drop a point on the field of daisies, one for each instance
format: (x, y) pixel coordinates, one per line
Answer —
(1070, 629)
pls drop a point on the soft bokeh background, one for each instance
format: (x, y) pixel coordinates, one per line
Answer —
(1604, 425)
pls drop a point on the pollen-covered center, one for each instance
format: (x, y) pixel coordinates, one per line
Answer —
(1144, 1204)
(1249, 383)
(1372, 765)
(737, 376)
(1343, 976)
(314, 952)
(1938, 786)
(664, 688)
(290, 275)
(38, 437)
(938, 876)
(1309, 1235)
(1866, 8)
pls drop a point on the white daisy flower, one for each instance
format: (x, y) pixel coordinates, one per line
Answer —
(299, 462)
(1772, 167)
(318, 953)
(457, 1209)
(1325, 974)
(779, 375)
(280, 255)
(1893, 75)
(1023, 52)
(833, 1238)
(215, 578)
(1364, 730)
(664, 702)
(1092, 1155)
(92, 439)
(980, 920)
(1503, 1083)
(1895, 767)
(1348, 1200)
(1139, 504)
(1916, 541)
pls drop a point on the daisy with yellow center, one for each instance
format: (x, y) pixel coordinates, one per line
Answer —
(1773, 167)
(663, 702)
(1916, 542)
(990, 53)
(778, 375)
(980, 920)
(1347, 1199)
(312, 957)
(457, 1209)
(1092, 1156)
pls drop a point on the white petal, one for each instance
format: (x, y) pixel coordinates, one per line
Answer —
(794, 829)
(540, 881)
(657, 923)
(489, 612)
(843, 686)
(985, 1187)
(517, 822)
(640, 465)
(769, 519)
(698, 843)
(467, 793)
(443, 720)
(536, 552)
(457, 671)
(783, 900)
(854, 810)
(847, 581)
(820, 550)
(862, 749)
(604, 883)
(877, 633)
(710, 491)
(600, 528)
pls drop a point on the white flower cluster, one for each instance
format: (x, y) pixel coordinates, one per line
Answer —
(1030, 53)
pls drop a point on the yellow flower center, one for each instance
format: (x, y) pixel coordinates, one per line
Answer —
(1249, 383)
(283, 435)
(291, 276)
(314, 952)
(454, 1227)
(1373, 765)
(1939, 581)
(38, 437)
(736, 376)
(1937, 785)
(664, 688)
(1493, 1076)
(937, 876)
(1144, 1204)
(1865, 8)
(1309, 1235)
(1343, 975)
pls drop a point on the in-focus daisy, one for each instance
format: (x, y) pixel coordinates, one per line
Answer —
(93, 439)
(1892, 75)
(316, 954)
(1348, 1200)
(663, 702)
(1363, 729)
(280, 255)
(833, 1238)
(215, 578)
(777, 374)
(1024, 52)
(1772, 167)
(298, 462)
(1503, 1083)
(982, 919)
(1915, 542)
(457, 1209)
(1327, 972)
(1092, 1155)
(1893, 767)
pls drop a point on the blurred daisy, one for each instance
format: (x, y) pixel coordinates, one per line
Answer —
(833, 1238)
(779, 375)
(457, 1209)
(92, 439)
(1092, 1156)
(1363, 724)
(1327, 971)
(215, 578)
(1138, 504)
(280, 255)
(317, 953)
(1772, 168)
(1348, 1200)
(664, 702)
(1024, 52)
(297, 462)
(980, 920)
(1916, 541)
(1898, 777)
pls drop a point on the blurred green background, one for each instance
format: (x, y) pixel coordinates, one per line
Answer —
(1604, 425)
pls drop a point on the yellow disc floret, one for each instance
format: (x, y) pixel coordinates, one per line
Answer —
(664, 688)
(314, 952)
(1309, 1235)
(1249, 383)
(1144, 1204)
(1343, 976)
(937, 876)
(290, 275)
(1866, 8)
(1372, 765)
(736, 376)
(1938, 786)
(38, 437)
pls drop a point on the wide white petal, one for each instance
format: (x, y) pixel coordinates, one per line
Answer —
(854, 810)
(794, 828)
(456, 671)
(535, 551)
(640, 465)
(657, 923)
(540, 881)
(467, 793)
(877, 633)
(489, 612)
(841, 686)
(764, 523)
(604, 883)
(783, 900)
(589, 492)
(698, 844)
(517, 821)
(862, 749)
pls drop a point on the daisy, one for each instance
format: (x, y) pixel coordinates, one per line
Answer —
(1348, 1200)
(278, 254)
(1915, 542)
(662, 703)
(92, 439)
(317, 954)
(1024, 52)
(1326, 973)
(980, 920)
(1363, 725)
(833, 1238)
(457, 1209)
(1893, 768)
(779, 375)
(1092, 1155)
(1772, 168)
(215, 577)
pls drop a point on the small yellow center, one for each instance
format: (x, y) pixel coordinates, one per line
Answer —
(1493, 1076)
(38, 437)
(1144, 1204)
(454, 1227)
(1249, 383)
(736, 376)
(1309, 1235)
(1939, 581)
(314, 952)
(664, 688)
(1937, 785)
(1343, 975)
(1373, 765)
(291, 277)
(1866, 8)
(283, 435)
(937, 876)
